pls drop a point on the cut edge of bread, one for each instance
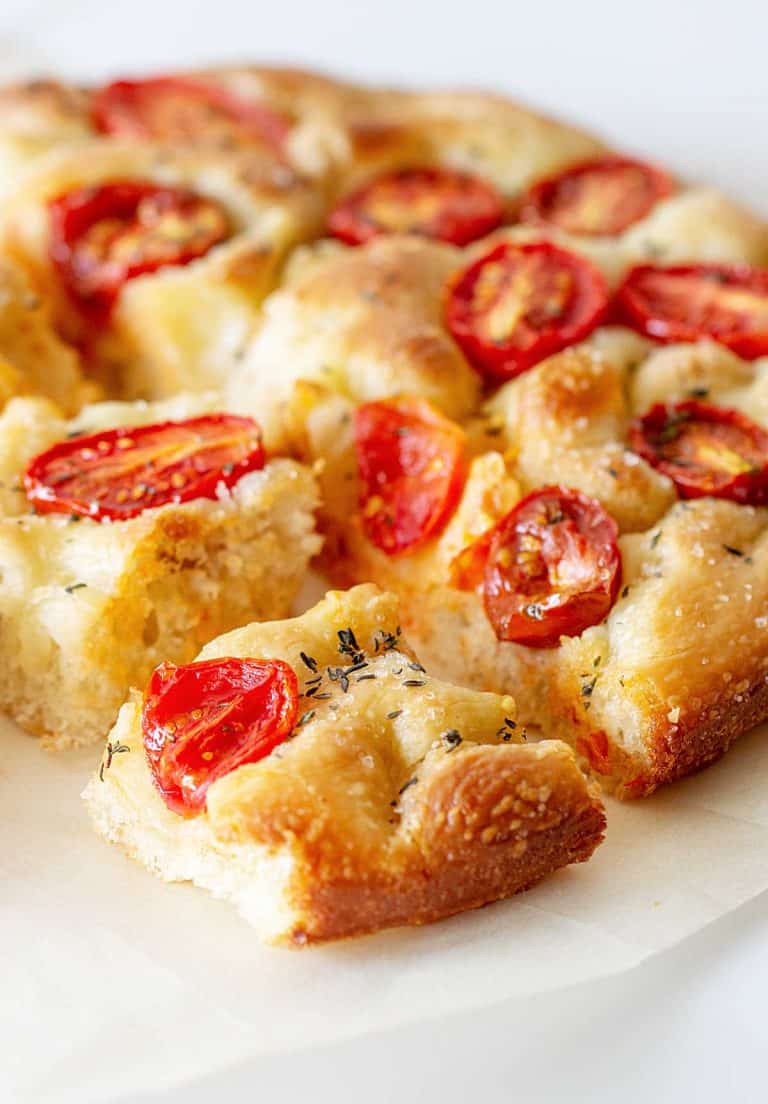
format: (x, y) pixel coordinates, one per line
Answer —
(187, 573)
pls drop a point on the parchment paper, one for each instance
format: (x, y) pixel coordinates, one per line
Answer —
(114, 983)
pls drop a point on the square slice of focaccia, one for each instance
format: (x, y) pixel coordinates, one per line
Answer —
(89, 605)
(674, 666)
(155, 262)
(371, 796)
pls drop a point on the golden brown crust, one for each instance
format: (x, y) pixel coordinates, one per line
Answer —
(479, 833)
(671, 751)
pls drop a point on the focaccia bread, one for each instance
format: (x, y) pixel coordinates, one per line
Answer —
(390, 798)
(90, 604)
(169, 302)
(432, 342)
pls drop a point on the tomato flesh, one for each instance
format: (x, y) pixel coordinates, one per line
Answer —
(727, 303)
(204, 720)
(705, 450)
(104, 235)
(519, 304)
(187, 111)
(435, 203)
(118, 473)
(412, 470)
(601, 197)
(550, 568)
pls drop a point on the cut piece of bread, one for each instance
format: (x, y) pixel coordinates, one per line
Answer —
(183, 327)
(33, 358)
(397, 800)
(88, 608)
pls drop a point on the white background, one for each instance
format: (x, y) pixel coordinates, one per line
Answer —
(688, 83)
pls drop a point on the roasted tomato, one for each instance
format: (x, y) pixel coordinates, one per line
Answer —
(600, 197)
(705, 450)
(436, 203)
(120, 472)
(550, 568)
(103, 235)
(204, 720)
(521, 303)
(412, 469)
(728, 303)
(186, 111)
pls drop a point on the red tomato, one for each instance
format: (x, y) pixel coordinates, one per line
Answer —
(705, 450)
(550, 568)
(103, 235)
(204, 720)
(119, 473)
(412, 468)
(436, 203)
(187, 111)
(728, 303)
(519, 304)
(604, 196)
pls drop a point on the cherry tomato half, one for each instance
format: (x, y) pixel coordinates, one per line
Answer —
(550, 568)
(119, 473)
(519, 304)
(204, 720)
(102, 236)
(435, 203)
(728, 303)
(705, 450)
(600, 197)
(188, 111)
(412, 468)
